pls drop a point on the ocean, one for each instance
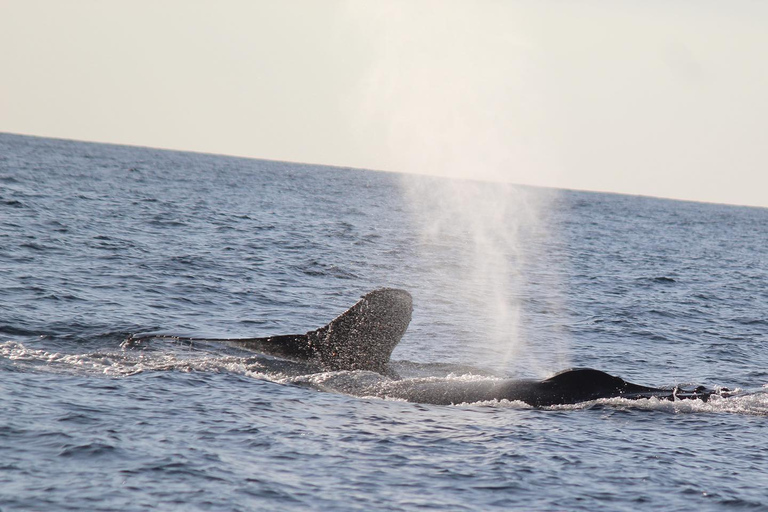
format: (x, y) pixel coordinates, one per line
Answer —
(100, 242)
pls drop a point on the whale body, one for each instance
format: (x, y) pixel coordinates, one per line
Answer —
(570, 386)
(364, 336)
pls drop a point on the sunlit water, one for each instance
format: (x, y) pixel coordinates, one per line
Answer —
(99, 242)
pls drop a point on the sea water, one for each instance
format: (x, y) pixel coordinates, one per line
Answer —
(101, 242)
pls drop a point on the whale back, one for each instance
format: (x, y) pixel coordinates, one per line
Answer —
(584, 384)
(585, 379)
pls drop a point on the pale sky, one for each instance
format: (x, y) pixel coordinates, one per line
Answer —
(662, 98)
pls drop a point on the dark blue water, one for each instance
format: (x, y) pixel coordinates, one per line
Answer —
(99, 242)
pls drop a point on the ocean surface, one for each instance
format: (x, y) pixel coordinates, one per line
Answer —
(102, 242)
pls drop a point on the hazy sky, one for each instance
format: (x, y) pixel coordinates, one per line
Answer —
(663, 98)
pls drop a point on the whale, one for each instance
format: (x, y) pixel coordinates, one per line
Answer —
(571, 386)
(364, 336)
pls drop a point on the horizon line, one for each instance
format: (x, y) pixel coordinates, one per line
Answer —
(349, 167)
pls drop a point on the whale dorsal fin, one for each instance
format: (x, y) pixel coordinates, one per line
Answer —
(361, 338)
(364, 336)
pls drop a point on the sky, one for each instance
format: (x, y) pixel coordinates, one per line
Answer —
(659, 98)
